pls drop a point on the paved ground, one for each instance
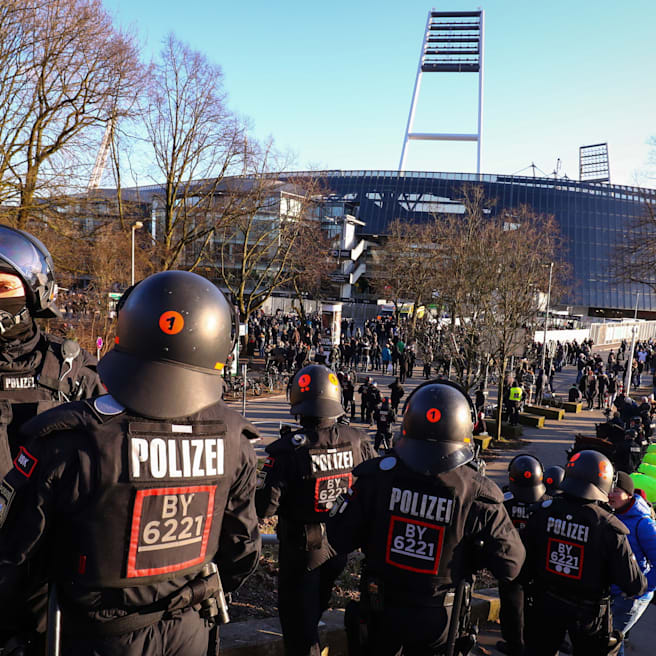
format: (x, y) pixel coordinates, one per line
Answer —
(547, 444)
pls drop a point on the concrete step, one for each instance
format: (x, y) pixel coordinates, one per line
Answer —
(507, 430)
(544, 411)
(534, 421)
(572, 407)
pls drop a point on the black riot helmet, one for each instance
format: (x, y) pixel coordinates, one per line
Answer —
(25, 256)
(438, 421)
(589, 475)
(175, 332)
(316, 392)
(525, 478)
(553, 477)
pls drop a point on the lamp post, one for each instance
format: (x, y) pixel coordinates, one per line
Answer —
(546, 319)
(629, 362)
(135, 226)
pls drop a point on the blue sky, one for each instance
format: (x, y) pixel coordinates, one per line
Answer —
(332, 82)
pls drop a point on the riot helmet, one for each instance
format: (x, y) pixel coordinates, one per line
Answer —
(175, 332)
(316, 392)
(525, 478)
(553, 477)
(438, 421)
(589, 475)
(25, 256)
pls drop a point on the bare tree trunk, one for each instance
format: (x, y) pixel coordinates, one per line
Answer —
(502, 375)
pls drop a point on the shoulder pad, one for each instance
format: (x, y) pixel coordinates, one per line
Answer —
(617, 525)
(507, 496)
(368, 467)
(546, 503)
(488, 491)
(250, 430)
(65, 417)
(107, 405)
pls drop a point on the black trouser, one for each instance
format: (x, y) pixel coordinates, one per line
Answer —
(511, 596)
(407, 631)
(185, 634)
(550, 619)
(302, 597)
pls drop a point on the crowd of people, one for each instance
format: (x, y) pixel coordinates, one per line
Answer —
(136, 500)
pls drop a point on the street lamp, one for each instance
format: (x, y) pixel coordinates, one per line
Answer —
(629, 363)
(546, 318)
(135, 226)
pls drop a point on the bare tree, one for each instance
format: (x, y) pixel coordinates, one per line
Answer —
(65, 70)
(196, 142)
(258, 251)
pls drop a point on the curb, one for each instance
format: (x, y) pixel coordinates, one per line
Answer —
(264, 637)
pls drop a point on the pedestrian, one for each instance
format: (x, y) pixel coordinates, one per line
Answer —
(138, 492)
(526, 491)
(418, 514)
(636, 514)
(514, 400)
(396, 394)
(304, 474)
(576, 549)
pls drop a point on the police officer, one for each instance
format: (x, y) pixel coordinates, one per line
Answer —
(304, 474)
(514, 399)
(553, 477)
(576, 549)
(37, 370)
(137, 491)
(384, 417)
(526, 491)
(417, 514)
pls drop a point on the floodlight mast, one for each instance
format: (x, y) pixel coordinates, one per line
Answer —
(453, 43)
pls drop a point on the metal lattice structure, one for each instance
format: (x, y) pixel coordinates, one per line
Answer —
(453, 43)
(593, 163)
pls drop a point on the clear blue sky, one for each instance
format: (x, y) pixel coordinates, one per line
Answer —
(333, 81)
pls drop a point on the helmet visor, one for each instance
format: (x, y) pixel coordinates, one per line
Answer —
(22, 256)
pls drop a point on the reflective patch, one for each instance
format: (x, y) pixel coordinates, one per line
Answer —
(386, 464)
(299, 439)
(170, 529)
(108, 405)
(268, 463)
(25, 462)
(565, 558)
(414, 545)
(507, 496)
(328, 490)
(7, 494)
(547, 503)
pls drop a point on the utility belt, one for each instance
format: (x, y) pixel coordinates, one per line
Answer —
(579, 604)
(308, 536)
(203, 594)
(376, 596)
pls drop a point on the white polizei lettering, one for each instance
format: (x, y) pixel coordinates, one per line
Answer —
(219, 457)
(331, 460)
(424, 500)
(210, 458)
(169, 506)
(196, 469)
(185, 500)
(138, 454)
(431, 507)
(174, 472)
(406, 500)
(186, 459)
(578, 532)
(395, 497)
(158, 458)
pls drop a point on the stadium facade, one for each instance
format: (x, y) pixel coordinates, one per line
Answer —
(593, 218)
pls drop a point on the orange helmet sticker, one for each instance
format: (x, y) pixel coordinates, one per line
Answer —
(605, 471)
(304, 382)
(433, 415)
(573, 459)
(549, 480)
(171, 322)
(333, 379)
(527, 474)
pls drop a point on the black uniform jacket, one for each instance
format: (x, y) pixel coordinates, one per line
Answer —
(420, 533)
(303, 477)
(34, 377)
(128, 509)
(577, 549)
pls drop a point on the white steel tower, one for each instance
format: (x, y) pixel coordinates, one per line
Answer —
(453, 43)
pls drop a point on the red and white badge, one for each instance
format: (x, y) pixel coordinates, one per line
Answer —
(170, 529)
(565, 558)
(328, 489)
(414, 545)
